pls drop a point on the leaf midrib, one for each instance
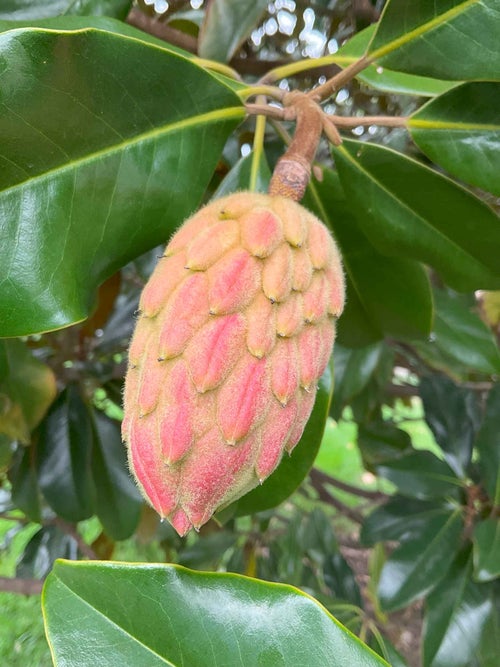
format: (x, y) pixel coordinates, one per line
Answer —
(418, 32)
(94, 609)
(227, 113)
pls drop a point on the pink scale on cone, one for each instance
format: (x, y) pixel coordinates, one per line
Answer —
(143, 330)
(315, 298)
(284, 362)
(274, 434)
(152, 374)
(178, 412)
(157, 482)
(305, 405)
(310, 346)
(261, 326)
(290, 316)
(302, 270)
(211, 244)
(277, 274)
(294, 224)
(320, 245)
(234, 282)
(214, 350)
(207, 477)
(168, 274)
(244, 399)
(261, 232)
(186, 311)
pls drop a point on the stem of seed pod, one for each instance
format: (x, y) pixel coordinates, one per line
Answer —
(293, 170)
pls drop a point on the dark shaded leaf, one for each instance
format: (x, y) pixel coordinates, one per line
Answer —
(456, 613)
(408, 32)
(418, 565)
(226, 26)
(381, 441)
(408, 210)
(420, 475)
(377, 304)
(240, 176)
(451, 414)
(64, 456)
(146, 615)
(24, 480)
(96, 164)
(488, 445)
(44, 547)
(117, 501)
(460, 131)
(487, 550)
(400, 519)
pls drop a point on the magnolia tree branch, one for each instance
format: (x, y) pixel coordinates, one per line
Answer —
(21, 586)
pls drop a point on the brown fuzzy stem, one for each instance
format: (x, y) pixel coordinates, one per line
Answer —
(293, 170)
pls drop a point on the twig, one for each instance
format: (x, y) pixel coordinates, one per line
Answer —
(327, 497)
(332, 85)
(324, 478)
(265, 110)
(140, 20)
(354, 121)
(71, 530)
(21, 586)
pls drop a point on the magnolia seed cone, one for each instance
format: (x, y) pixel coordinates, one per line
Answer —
(236, 326)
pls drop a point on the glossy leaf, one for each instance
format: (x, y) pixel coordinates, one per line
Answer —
(117, 501)
(353, 370)
(420, 475)
(376, 303)
(64, 456)
(487, 550)
(239, 177)
(47, 544)
(27, 388)
(418, 565)
(293, 469)
(382, 78)
(226, 26)
(26, 10)
(400, 519)
(460, 131)
(108, 162)
(408, 210)
(456, 613)
(450, 412)
(460, 340)
(488, 445)
(409, 31)
(175, 616)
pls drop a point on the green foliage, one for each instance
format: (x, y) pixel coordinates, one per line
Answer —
(111, 137)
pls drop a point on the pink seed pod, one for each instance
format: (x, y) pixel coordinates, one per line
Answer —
(236, 327)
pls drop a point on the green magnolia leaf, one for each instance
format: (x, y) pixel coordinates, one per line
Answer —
(460, 342)
(408, 210)
(293, 469)
(450, 412)
(456, 614)
(106, 161)
(118, 503)
(487, 550)
(226, 26)
(387, 650)
(385, 79)
(415, 567)
(27, 10)
(460, 131)
(47, 544)
(410, 31)
(64, 457)
(376, 301)
(381, 441)
(421, 475)
(240, 176)
(400, 519)
(488, 445)
(109, 614)
(27, 388)
(353, 370)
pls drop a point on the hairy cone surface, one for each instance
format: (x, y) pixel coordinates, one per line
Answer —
(236, 326)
